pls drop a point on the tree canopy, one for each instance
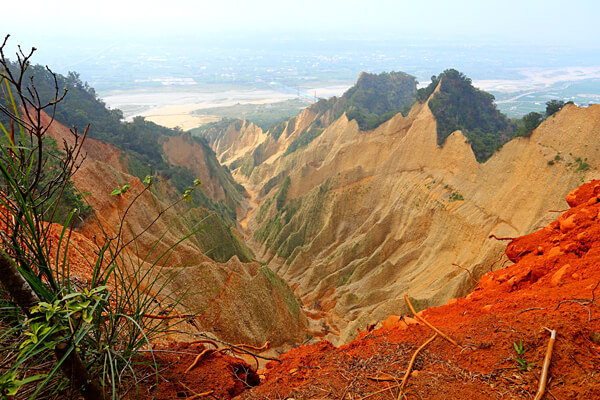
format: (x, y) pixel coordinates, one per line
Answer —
(378, 97)
(461, 106)
(554, 106)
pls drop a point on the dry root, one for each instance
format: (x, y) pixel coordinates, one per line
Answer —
(235, 349)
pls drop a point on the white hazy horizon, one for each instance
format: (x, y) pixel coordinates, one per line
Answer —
(547, 22)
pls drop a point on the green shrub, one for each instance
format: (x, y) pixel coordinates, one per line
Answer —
(455, 196)
(282, 194)
(376, 98)
(303, 139)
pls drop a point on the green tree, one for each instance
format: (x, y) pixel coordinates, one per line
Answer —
(554, 106)
(375, 98)
(424, 93)
(530, 122)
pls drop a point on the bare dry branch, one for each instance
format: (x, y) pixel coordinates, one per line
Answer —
(412, 362)
(442, 334)
(544, 376)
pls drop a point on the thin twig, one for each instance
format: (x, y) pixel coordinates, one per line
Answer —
(468, 272)
(204, 394)
(379, 391)
(349, 386)
(195, 393)
(412, 362)
(243, 347)
(154, 373)
(531, 309)
(206, 341)
(166, 351)
(494, 263)
(382, 379)
(500, 238)
(581, 303)
(154, 316)
(442, 334)
(409, 328)
(228, 344)
(198, 357)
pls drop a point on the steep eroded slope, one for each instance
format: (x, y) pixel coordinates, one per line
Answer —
(237, 302)
(369, 216)
(553, 284)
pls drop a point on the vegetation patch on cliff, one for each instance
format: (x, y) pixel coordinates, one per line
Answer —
(373, 100)
(378, 97)
(284, 290)
(460, 106)
(292, 223)
(141, 142)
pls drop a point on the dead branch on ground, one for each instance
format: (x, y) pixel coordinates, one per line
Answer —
(442, 334)
(412, 362)
(544, 376)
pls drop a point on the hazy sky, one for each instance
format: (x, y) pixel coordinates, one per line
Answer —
(542, 21)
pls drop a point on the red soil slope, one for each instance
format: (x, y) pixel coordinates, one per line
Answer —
(554, 283)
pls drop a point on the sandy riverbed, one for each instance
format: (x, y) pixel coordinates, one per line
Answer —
(175, 109)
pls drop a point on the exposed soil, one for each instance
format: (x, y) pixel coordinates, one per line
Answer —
(553, 284)
(253, 206)
(217, 375)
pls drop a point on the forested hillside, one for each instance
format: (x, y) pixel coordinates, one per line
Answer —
(377, 98)
(142, 146)
(141, 140)
(460, 106)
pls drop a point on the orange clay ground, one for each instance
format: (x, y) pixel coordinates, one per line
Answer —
(554, 283)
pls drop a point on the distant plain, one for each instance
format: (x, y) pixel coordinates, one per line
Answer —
(168, 83)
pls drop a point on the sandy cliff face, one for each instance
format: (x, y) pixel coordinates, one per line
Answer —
(511, 306)
(242, 146)
(183, 151)
(237, 302)
(368, 217)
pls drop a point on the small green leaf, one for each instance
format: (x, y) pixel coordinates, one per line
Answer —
(85, 304)
(71, 295)
(120, 190)
(10, 386)
(98, 289)
(87, 316)
(149, 181)
(32, 379)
